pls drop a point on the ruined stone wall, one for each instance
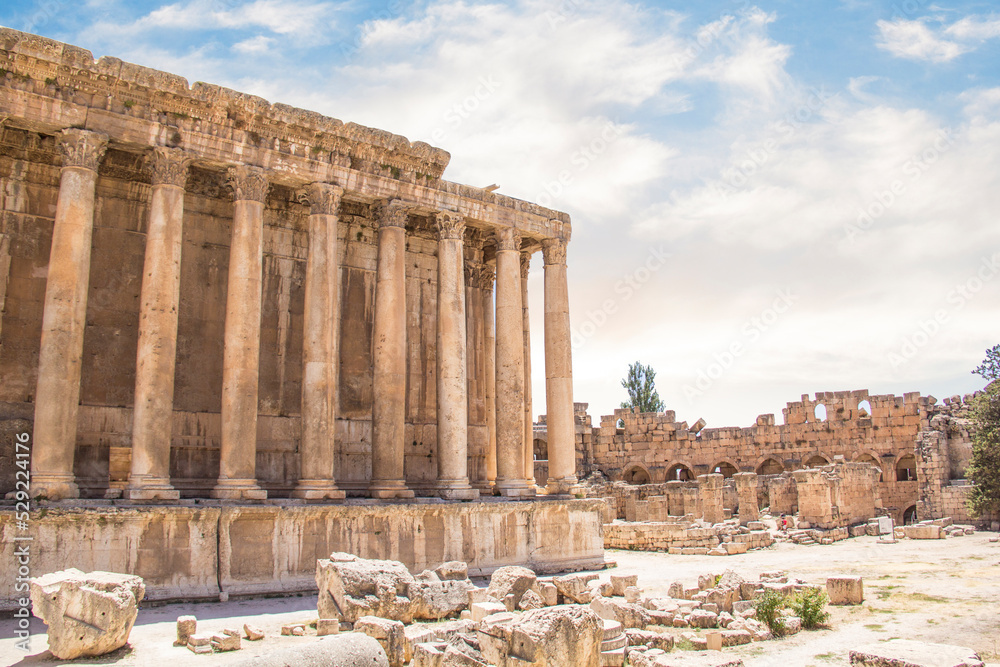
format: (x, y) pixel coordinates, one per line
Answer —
(881, 432)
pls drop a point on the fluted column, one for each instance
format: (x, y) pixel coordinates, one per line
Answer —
(389, 354)
(558, 371)
(452, 383)
(241, 354)
(64, 315)
(529, 430)
(487, 278)
(149, 477)
(509, 366)
(320, 359)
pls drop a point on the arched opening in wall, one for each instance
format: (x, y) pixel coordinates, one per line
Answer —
(864, 409)
(541, 449)
(819, 413)
(725, 468)
(817, 461)
(910, 515)
(906, 469)
(770, 467)
(636, 475)
(679, 472)
(868, 458)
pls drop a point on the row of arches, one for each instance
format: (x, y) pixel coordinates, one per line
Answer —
(905, 469)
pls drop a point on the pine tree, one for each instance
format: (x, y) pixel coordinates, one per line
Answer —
(641, 390)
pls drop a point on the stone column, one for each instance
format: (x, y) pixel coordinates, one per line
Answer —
(241, 353)
(509, 366)
(64, 317)
(452, 382)
(746, 490)
(149, 478)
(529, 430)
(558, 371)
(320, 358)
(710, 497)
(488, 277)
(389, 354)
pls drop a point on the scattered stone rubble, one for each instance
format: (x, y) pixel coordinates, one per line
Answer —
(909, 653)
(88, 614)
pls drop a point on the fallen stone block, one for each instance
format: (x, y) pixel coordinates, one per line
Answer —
(88, 614)
(511, 580)
(619, 582)
(327, 626)
(352, 649)
(628, 614)
(922, 532)
(909, 653)
(454, 570)
(200, 643)
(530, 600)
(389, 634)
(481, 610)
(293, 629)
(434, 600)
(186, 626)
(227, 640)
(736, 637)
(561, 636)
(699, 618)
(428, 654)
(575, 587)
(845, 590)
(659, 640)
(633, 594)
(549, 593)
(352, 587)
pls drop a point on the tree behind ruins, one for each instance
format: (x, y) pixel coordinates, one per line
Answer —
(641, 389)
(984, 467)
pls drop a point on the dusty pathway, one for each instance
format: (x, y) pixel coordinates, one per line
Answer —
(935, 590)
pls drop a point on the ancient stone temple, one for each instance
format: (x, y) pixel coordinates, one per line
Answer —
(206, 295)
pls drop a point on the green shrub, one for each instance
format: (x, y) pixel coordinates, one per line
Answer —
(769, 605)
(810, 606)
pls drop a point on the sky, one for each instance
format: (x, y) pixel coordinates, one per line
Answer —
(769, 199)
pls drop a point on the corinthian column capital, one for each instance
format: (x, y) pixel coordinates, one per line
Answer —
(450, 225)
(249, 183)
(323, 198)
(390, 213)
(487, 276)
(82, 148)
(169, 166)
(554, 251)
(508, 238)
(525, 263)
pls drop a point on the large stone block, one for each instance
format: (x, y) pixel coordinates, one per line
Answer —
(845, 590)
(909, 653)
(923, 532)
(88, 614)
(390, 634)
(352, 649)
(511, 580)
(560, 636)
(352, 587)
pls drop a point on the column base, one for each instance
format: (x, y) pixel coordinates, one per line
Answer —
(54, 486)
(150, 488)
(238, 489)
(567, 487)
(515, 488)
(386, 489)
(457, 490)
(317, 489)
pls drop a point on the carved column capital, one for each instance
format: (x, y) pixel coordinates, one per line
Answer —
(450, 225)
(508, 238)
(82, 148)
(475, 239)
(169, 166)
(390, 213)
(554, 251)
(323, 198)
(487, 276)
(525, 263)
(248, 183)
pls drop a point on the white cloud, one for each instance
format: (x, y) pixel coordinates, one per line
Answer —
(258, 44)
(917, 40)
(914, 40)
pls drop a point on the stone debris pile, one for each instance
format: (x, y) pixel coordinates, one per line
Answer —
(88, 614)
(228, 639)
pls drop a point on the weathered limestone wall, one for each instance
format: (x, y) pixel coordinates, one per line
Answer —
(196, 552)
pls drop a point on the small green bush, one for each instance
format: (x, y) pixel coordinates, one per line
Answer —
(810, 606)
(769, 605)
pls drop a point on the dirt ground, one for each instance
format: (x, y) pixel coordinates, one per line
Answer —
(944, 591)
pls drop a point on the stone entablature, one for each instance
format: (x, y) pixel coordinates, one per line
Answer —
(205, 241)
